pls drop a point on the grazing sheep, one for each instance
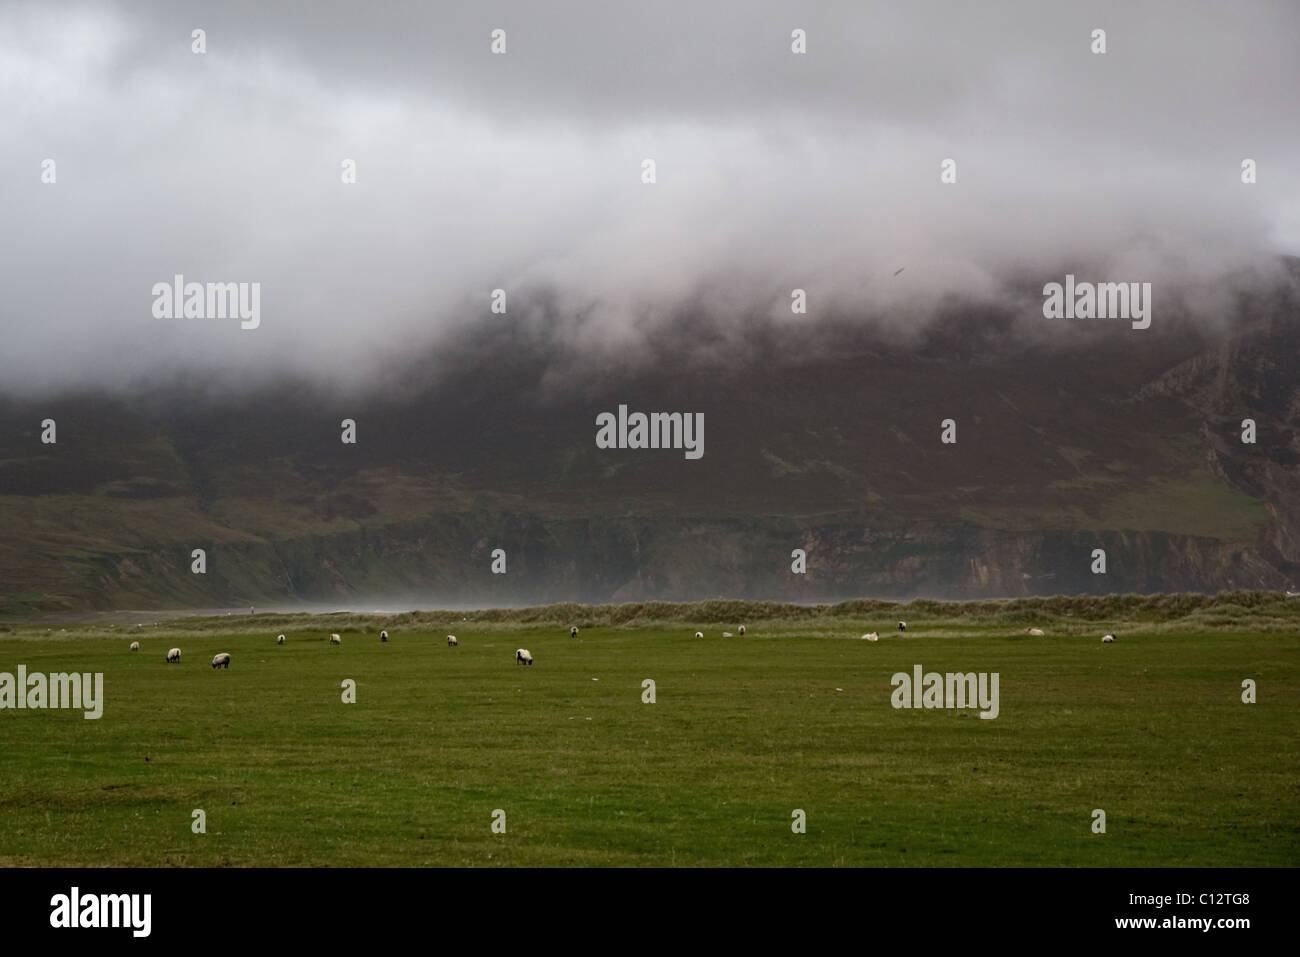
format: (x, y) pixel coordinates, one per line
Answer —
(1107, 639)
(573, 632)
(1292, 594)
(1036, 632)
(173, 655)
(726, 634)
(902, 626)
(335, 640)
(135, 646)
(221, 661)
(279, 639)
(742, 631)
(871, 636)
(451, 641)
(383, 636)
(699, 634)
(523, 657)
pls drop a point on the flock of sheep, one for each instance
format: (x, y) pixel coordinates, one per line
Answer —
(220, 660)
(525, 657)
(902, 626)
(1039, 633)
(875, 636)
(700, 634)
(522, 655)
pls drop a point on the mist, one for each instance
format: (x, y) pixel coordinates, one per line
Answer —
(522, 172)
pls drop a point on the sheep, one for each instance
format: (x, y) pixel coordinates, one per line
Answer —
(173, 655)
(383, 636)
(742, 631)
(451, 641)
(523, 656)
(573, 632)
(335, 640)
(1107, 639)
(221, 661)
(726, 634)
(1037, 632)
(135, 646)
(279, 639)
(871, 636)
(902, 626)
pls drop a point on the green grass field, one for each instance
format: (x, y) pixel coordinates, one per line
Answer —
(796, 714)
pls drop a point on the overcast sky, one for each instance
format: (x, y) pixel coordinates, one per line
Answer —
(522, 171)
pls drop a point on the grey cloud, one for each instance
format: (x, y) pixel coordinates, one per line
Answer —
(522, 171)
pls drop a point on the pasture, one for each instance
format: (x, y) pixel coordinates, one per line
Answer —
(743, 731)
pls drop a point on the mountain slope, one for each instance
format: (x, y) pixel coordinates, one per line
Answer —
(1092, 437)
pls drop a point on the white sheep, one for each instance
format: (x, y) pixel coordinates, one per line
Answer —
(523, 656)
(902, 626)
(173, 655)
(279, 639)
(573, 632)
(383, 636)
(871, 636)
(335, 640)
(726, 634)
(1107, 639)
(451, 641)
(135, 646)
(699, 634)
(221, 661)
(1037, 632)
(742, 631)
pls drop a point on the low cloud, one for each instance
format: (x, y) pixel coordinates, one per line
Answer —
(522, 172)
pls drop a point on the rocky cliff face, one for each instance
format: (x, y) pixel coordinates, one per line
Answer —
(1095, 439)
(447, 560)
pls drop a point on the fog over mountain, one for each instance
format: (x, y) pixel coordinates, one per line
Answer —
(522, 171)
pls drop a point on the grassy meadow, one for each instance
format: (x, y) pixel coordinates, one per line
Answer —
(743, 731)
